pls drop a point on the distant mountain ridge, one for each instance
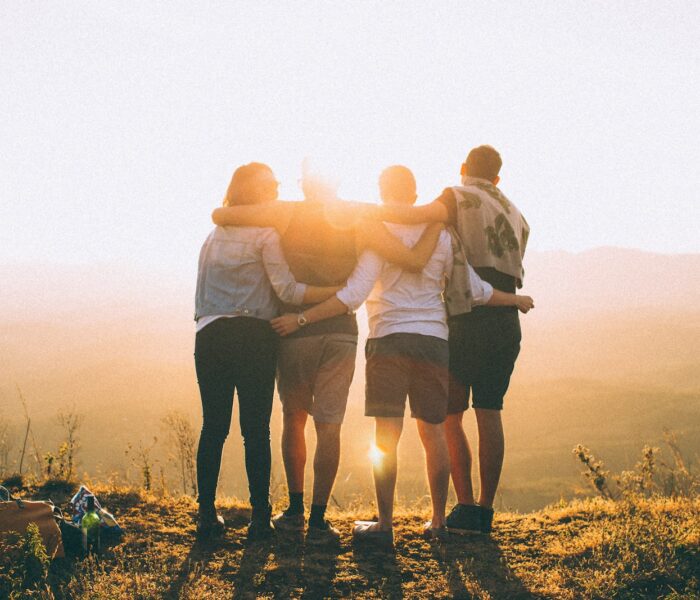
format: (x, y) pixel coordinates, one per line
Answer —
(605, 278)
(609, 279)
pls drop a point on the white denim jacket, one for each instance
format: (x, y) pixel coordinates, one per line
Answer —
(242, 272)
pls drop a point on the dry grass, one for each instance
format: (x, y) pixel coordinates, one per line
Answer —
(643, 548)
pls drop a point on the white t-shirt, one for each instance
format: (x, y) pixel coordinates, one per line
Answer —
(399, 301)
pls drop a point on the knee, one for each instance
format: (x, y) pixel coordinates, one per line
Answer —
(294, 421)
(328, 434)
(214, 432)
(255, 433)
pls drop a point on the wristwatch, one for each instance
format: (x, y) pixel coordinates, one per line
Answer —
(301, 319)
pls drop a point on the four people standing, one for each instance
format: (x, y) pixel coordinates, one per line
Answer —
(402, 268)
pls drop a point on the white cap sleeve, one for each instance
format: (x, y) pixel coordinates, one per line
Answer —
(481, 290)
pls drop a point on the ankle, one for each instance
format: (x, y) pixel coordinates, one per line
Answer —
(206, 509)
(296, 504)
(385, 525)
(437, 522)
(262, 512)
(317, 518)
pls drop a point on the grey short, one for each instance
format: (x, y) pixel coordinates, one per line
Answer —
(314, 374)
(407, 364)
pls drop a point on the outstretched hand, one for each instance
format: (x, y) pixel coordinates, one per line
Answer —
(524, 303)
(286, 324)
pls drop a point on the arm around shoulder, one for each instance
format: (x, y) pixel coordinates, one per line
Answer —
(375, 236)
(270, 214)
(435, 212)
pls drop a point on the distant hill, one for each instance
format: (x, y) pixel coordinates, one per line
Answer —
(610, 356)
(611, 279)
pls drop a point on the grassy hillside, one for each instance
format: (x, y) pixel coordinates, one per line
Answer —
(585, 549)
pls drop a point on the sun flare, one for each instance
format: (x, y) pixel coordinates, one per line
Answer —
(375, 455)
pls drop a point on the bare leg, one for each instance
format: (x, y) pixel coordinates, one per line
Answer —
(326, 460)
(460, 458)
(437, 459)
(491, 450)
(294, 449)
(387, 435)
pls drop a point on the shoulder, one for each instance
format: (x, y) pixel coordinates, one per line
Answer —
(447, 195)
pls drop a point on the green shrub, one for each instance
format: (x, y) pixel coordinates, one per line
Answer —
(24, 565)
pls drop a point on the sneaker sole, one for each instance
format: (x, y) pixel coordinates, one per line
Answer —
(377, 539)
(287, 529)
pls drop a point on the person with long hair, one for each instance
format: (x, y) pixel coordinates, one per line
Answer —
(241, 280)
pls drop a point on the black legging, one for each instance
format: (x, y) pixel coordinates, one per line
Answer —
(238, 353)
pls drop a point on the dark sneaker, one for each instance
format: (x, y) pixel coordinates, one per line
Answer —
(210, 525)
(434, 534)
(325, 534)
(290, 523)
(486, 519)
(260, 527)
(363, 532)
(464, 519)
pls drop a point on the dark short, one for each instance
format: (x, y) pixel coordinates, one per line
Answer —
(407, 364)
(484, 345)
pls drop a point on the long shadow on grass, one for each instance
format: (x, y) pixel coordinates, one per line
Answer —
(195, 562)
(380, 568)
(474, 565)
(301, 569)
(318, 570)
(253, 560)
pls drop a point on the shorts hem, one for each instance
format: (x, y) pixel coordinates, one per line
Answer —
(429, 421)
(383, 414)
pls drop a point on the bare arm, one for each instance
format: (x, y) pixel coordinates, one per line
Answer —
(499, 298)
(315, 294)
(356, 290)
(375, 236)
(435, 212)
(288, 322)
(269, 214)
(484, 293)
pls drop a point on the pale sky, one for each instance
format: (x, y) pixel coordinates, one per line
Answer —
(121, 123)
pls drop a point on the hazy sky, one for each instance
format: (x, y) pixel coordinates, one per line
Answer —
(120, 123)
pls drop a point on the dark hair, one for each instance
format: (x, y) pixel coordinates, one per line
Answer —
(483, 162)
(397, 183)
(245, 186)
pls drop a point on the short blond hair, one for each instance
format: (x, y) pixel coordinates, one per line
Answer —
(397, 183)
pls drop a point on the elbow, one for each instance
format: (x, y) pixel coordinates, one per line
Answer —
(216, 216)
